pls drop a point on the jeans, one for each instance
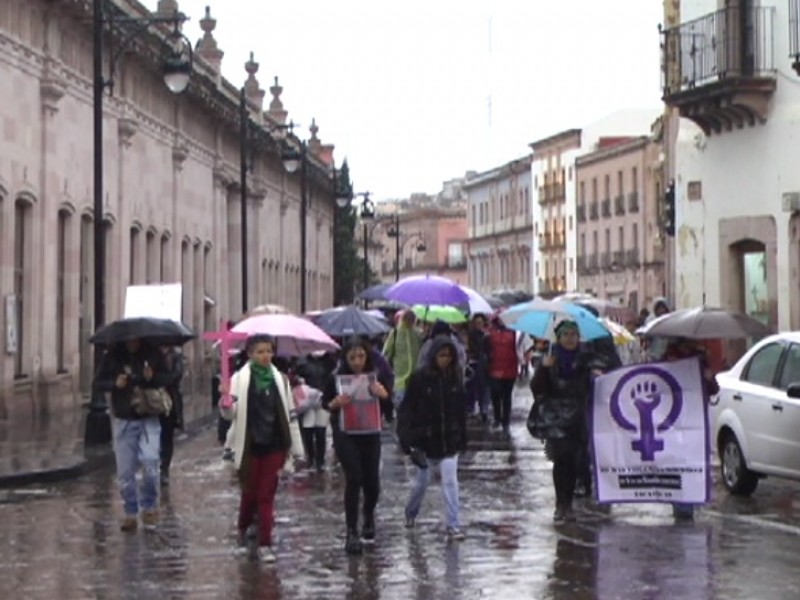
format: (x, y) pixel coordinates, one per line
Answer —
(314, 441)
(448, 468)
(360, 457)
(477, 391)
(136, 444)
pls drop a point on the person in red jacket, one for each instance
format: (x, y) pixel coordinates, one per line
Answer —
(503, 364)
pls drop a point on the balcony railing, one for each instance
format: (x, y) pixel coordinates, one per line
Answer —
(633, 202)
(591, 264)
(632, 257)
(594, 213)
(619, 205)
(618, 259)
(580, 213)
(605, 260)
(581, 264)
(606, 207)
(719, 69)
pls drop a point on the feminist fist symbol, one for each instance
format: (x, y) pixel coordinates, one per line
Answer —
(646, 398)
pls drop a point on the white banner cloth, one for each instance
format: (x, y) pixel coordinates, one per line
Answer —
(650, 434)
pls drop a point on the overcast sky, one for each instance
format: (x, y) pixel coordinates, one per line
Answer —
(417, 92)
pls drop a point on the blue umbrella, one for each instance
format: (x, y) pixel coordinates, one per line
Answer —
(348, 321)
(427, 289)
(375, 292)
(538, 318)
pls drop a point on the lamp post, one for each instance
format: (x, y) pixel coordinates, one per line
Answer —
(344, 194)
(367, 214)
(176, 69)
(294, 159)
(394, 232)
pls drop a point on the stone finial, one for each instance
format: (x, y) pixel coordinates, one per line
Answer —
(207, 47)
(313, 143)
(276, 110)
(252, 89)
(167, 7)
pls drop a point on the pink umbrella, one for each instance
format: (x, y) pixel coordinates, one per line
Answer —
(296, 336)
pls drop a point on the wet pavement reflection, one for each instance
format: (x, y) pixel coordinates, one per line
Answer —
(62, 540)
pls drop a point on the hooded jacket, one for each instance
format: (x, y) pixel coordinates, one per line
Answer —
(432, 416)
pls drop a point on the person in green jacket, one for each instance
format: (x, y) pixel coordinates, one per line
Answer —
(402, 350)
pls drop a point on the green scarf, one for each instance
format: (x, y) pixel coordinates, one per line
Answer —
(263, 376)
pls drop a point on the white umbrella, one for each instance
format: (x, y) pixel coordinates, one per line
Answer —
(477, 303)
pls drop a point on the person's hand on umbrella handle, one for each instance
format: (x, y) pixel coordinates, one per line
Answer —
(596, 372)
(549, 361)
(147, 372)
(122, 381)
(224, 388)
(340, 401)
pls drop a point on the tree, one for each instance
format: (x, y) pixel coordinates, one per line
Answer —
(347, 268)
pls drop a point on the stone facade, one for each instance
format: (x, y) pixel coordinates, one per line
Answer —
(172, 197)
(620, 244)
(501, 227)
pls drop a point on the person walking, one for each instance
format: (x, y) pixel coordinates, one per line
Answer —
(502, 372)
(358, 449)
(478, 363)
(127, 372)
(561, 385)
(266, 439)
(402, 350)
(173, 363)
(313, 371)
(432, 420)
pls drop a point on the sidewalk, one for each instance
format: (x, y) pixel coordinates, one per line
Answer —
(52, 448)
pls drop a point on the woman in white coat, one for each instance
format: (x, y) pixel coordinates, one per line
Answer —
(266, 438)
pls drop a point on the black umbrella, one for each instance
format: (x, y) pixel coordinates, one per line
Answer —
(157, 332)
(375, 292)
(345, 322)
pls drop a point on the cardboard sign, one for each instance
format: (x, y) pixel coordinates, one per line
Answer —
(162, 301)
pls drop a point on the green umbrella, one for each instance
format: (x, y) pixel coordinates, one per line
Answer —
(436, 312)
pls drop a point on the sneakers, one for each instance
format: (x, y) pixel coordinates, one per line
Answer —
(266, 555)
(227, 454)
(455, 534)
(410, 522)
(368, 530)
(129, 523)
(150, 518)
(563, 514)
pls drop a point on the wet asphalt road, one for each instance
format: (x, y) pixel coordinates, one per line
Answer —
(62, 540)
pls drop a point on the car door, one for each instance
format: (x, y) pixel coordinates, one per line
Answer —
(788, 409)
(754, 400)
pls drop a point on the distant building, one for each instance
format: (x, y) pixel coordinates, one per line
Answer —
(620, 246)
(500, 227)
(421, 234)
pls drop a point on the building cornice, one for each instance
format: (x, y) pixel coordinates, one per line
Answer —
(614, 151)
(557, 140)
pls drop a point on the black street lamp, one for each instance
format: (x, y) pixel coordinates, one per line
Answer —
(343, 192)
(294, 159)
(394, 232)
(367, 214)
(176, 69)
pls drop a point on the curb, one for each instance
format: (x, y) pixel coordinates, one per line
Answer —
(94, 459)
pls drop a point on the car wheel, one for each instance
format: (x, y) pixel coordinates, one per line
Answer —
(738, 479)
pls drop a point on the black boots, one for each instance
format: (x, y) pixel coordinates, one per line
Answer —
(368, 530)
(353, 543)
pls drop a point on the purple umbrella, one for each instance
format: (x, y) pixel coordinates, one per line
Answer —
(427, 289)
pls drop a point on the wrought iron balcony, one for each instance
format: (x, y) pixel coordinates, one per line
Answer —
(606, 207)
(594, 213)
(633, 202)
(719, 70)
(632, 257)
(618, 259)
(592, 262)
(605, 260)
(619, 205)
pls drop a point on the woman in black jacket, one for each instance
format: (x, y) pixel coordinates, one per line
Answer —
(432, 423)
(359, 452)
(561, 386)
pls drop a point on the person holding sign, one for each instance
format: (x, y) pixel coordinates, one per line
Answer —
(561, 386)
(432, 420)
(265, 440)
(353, 395)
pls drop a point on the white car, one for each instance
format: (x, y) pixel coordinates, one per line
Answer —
(757, 414)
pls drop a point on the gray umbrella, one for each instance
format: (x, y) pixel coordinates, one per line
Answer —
(704, 323)
(345, 322)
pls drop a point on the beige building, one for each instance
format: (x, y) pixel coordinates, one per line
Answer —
(172, 196)
(501, 228)
(619, 241)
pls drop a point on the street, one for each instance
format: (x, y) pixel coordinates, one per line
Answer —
(62, 540)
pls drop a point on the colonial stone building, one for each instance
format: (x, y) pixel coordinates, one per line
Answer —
(500, 227)
(620, 241)
(172, 195)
